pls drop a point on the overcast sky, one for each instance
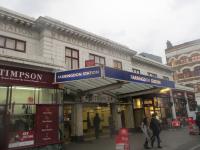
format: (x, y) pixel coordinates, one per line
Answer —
(142, 25)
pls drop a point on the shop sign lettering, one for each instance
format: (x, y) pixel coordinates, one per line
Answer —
(19, 75)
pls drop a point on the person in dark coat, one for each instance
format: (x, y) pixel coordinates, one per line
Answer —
(155, 127)
(88, 121)
(96, 122)
(198, 120)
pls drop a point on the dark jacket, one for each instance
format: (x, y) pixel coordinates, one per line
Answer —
(96, 121)
(155, 126)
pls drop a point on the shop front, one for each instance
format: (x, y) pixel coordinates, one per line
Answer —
(98, 90)
(30, 107)
(146, 105)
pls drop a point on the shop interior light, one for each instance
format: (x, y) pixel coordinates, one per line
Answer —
(165, 90)
(26, 88)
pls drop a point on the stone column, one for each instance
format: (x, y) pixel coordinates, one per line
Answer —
(77, 123)
(173, 106)
(116, 116)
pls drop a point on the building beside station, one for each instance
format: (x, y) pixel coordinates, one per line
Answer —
(54, 77)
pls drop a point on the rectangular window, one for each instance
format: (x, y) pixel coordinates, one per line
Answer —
(152, 75)
(11, 43)
(117, 64)
(165, 78)
(137, 71)
(71, 58)
(99, 60)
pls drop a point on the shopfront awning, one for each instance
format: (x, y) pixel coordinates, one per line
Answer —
(110, 80)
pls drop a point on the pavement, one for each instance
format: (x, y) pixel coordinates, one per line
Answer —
(173, 139)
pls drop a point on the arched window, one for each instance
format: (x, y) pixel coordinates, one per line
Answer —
(197, 71)
(186, 73)
(195, 57)
(183, 60)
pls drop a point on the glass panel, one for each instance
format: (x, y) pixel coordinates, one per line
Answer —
(68, 52)
(91, 57)
(20, 46)
(75, 54)
(10, 43)
(102, 61)
(74, 64)
(2, 41)
(68, 63)
(115, 64)
(46, 96)
(21, 125)
(3, 94)
(23, 95)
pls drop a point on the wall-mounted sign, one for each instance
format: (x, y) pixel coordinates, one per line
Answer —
(47, 124)
(84, 73)
(89, 63)
(21, 76)
(98, 98)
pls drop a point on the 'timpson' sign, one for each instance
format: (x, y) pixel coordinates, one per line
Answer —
(11, 74)
(14, 75)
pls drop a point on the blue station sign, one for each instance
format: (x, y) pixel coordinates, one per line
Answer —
(133, 77)
(84, 73)
(107, 72)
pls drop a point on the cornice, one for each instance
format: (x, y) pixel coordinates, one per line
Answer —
(183, 45)
(151, 62)
(74, 31)
(16, 17)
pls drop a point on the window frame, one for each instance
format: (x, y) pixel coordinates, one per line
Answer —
(152, 75)
(117, 62)
(137, 71)
(99, 57)
(71, 57)
(16, 40)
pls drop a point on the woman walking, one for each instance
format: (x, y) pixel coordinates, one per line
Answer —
(145, 129)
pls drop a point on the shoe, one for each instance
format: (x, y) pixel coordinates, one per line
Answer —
(147, 147)
(160, 147)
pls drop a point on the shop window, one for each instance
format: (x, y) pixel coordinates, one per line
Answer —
(71, 58)
(99, 60)
(23, 95)
(117, 64)
(3, 93)
(47, 96)
(137, 103)
(152, 74)
(137, 71)
(21, 125)
(11, 43)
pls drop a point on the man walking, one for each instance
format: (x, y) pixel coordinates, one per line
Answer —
(96, 122)
(155, 127)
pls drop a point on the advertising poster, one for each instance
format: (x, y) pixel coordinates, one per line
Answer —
(47, 127)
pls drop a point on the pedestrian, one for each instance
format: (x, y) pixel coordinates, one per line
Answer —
(198, 120)
(96, 122)
(111, 126)
(155, 127)
(145, 129)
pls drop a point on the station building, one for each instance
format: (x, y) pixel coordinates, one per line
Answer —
(54, 77)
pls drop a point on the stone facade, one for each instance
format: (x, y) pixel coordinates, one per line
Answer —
(184, 59)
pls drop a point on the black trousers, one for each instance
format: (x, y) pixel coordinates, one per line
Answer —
(154, 137)
(146, 144)
(96, 133)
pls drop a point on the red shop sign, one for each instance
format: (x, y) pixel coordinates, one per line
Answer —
(47, 124)
(21, 76)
